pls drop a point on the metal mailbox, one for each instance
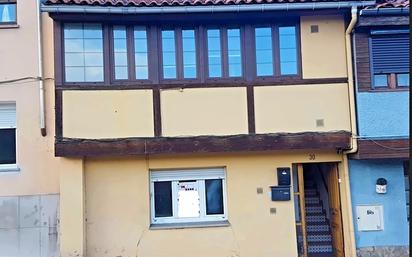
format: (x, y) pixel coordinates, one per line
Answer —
(280, 193)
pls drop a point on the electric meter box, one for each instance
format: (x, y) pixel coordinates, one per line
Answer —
(369, 217)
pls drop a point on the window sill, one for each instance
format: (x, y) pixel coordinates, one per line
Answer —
(9, 168)
(190, 225)
(9, 26)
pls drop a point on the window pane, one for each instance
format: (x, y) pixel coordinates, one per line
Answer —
(93, 74)
(140, 53)
(288, 51)
(189, 54)
(8, 146)
(7, 13)
(403, 80)
(188, 199)
(120, 52)
(169, 54)
(163, 199)
(214, 196)
(235, 54)
(83, 47)
(214, 53)
(264, 52)
(380, 80)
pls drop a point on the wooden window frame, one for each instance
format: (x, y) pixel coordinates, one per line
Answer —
(224, 52)
(155, 62)
(178, 55)
(276, 52)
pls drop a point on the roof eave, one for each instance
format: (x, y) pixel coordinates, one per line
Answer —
(203, 9)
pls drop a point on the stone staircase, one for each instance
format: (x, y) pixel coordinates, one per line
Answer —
(318, 229)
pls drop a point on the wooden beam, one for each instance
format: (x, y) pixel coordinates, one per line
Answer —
(382, 149)
(67, 147)
(226, 83)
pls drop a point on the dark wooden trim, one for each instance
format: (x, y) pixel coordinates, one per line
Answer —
(382, 149)
(58, 105)
(383, 20)
(58, 53)
(278, 82)
(203, 144)
(194, 18)
(363, 61)
(157, 113)
(251, 110)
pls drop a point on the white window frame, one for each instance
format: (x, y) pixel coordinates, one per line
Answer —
(200, 175)
(9, 108)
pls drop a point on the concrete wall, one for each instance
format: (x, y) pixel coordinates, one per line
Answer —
(205, 111)
(297, 108)
(117, 208)
(383, 114)
(323, 53)
(108, 114)
(363, 175)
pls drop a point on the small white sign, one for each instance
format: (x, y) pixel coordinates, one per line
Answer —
(188, 200)
(369, 217)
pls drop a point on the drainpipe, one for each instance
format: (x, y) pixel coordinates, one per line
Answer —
(351, 86)
(41, 81)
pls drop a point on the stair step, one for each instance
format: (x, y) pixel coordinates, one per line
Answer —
(313, 204)
(318, 228)
(314, 238)
(315, 218)
(313, 209)
(320, 248)
(312, 200)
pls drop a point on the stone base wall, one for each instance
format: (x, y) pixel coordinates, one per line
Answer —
(383, 251)
(29, 226)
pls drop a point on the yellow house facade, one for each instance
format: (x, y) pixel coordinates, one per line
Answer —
(207, 134)
(29, 172)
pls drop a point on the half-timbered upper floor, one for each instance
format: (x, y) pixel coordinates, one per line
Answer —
(246, 80)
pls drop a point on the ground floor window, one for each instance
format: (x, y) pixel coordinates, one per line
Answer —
(184, 196)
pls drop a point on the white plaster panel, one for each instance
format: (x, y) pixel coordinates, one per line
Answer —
(29, 211)
(9, 243)
(49, 244)
(49, 210)
(29, 242)
(9, 212)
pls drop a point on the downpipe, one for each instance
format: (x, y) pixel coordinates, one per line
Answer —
(351, 86)
(42, 113)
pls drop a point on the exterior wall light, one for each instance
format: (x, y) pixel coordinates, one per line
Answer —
(381, 184)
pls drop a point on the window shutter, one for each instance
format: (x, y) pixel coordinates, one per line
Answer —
(390, 54)
(169, 175)
(7, 116)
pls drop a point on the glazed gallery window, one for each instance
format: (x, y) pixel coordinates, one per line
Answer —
(83, 52)
(182, 196)
(155, 54)
(7, 136)
(276, 43)
(225, 63)
(390, 58)
(179, 55)
(8, 12)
